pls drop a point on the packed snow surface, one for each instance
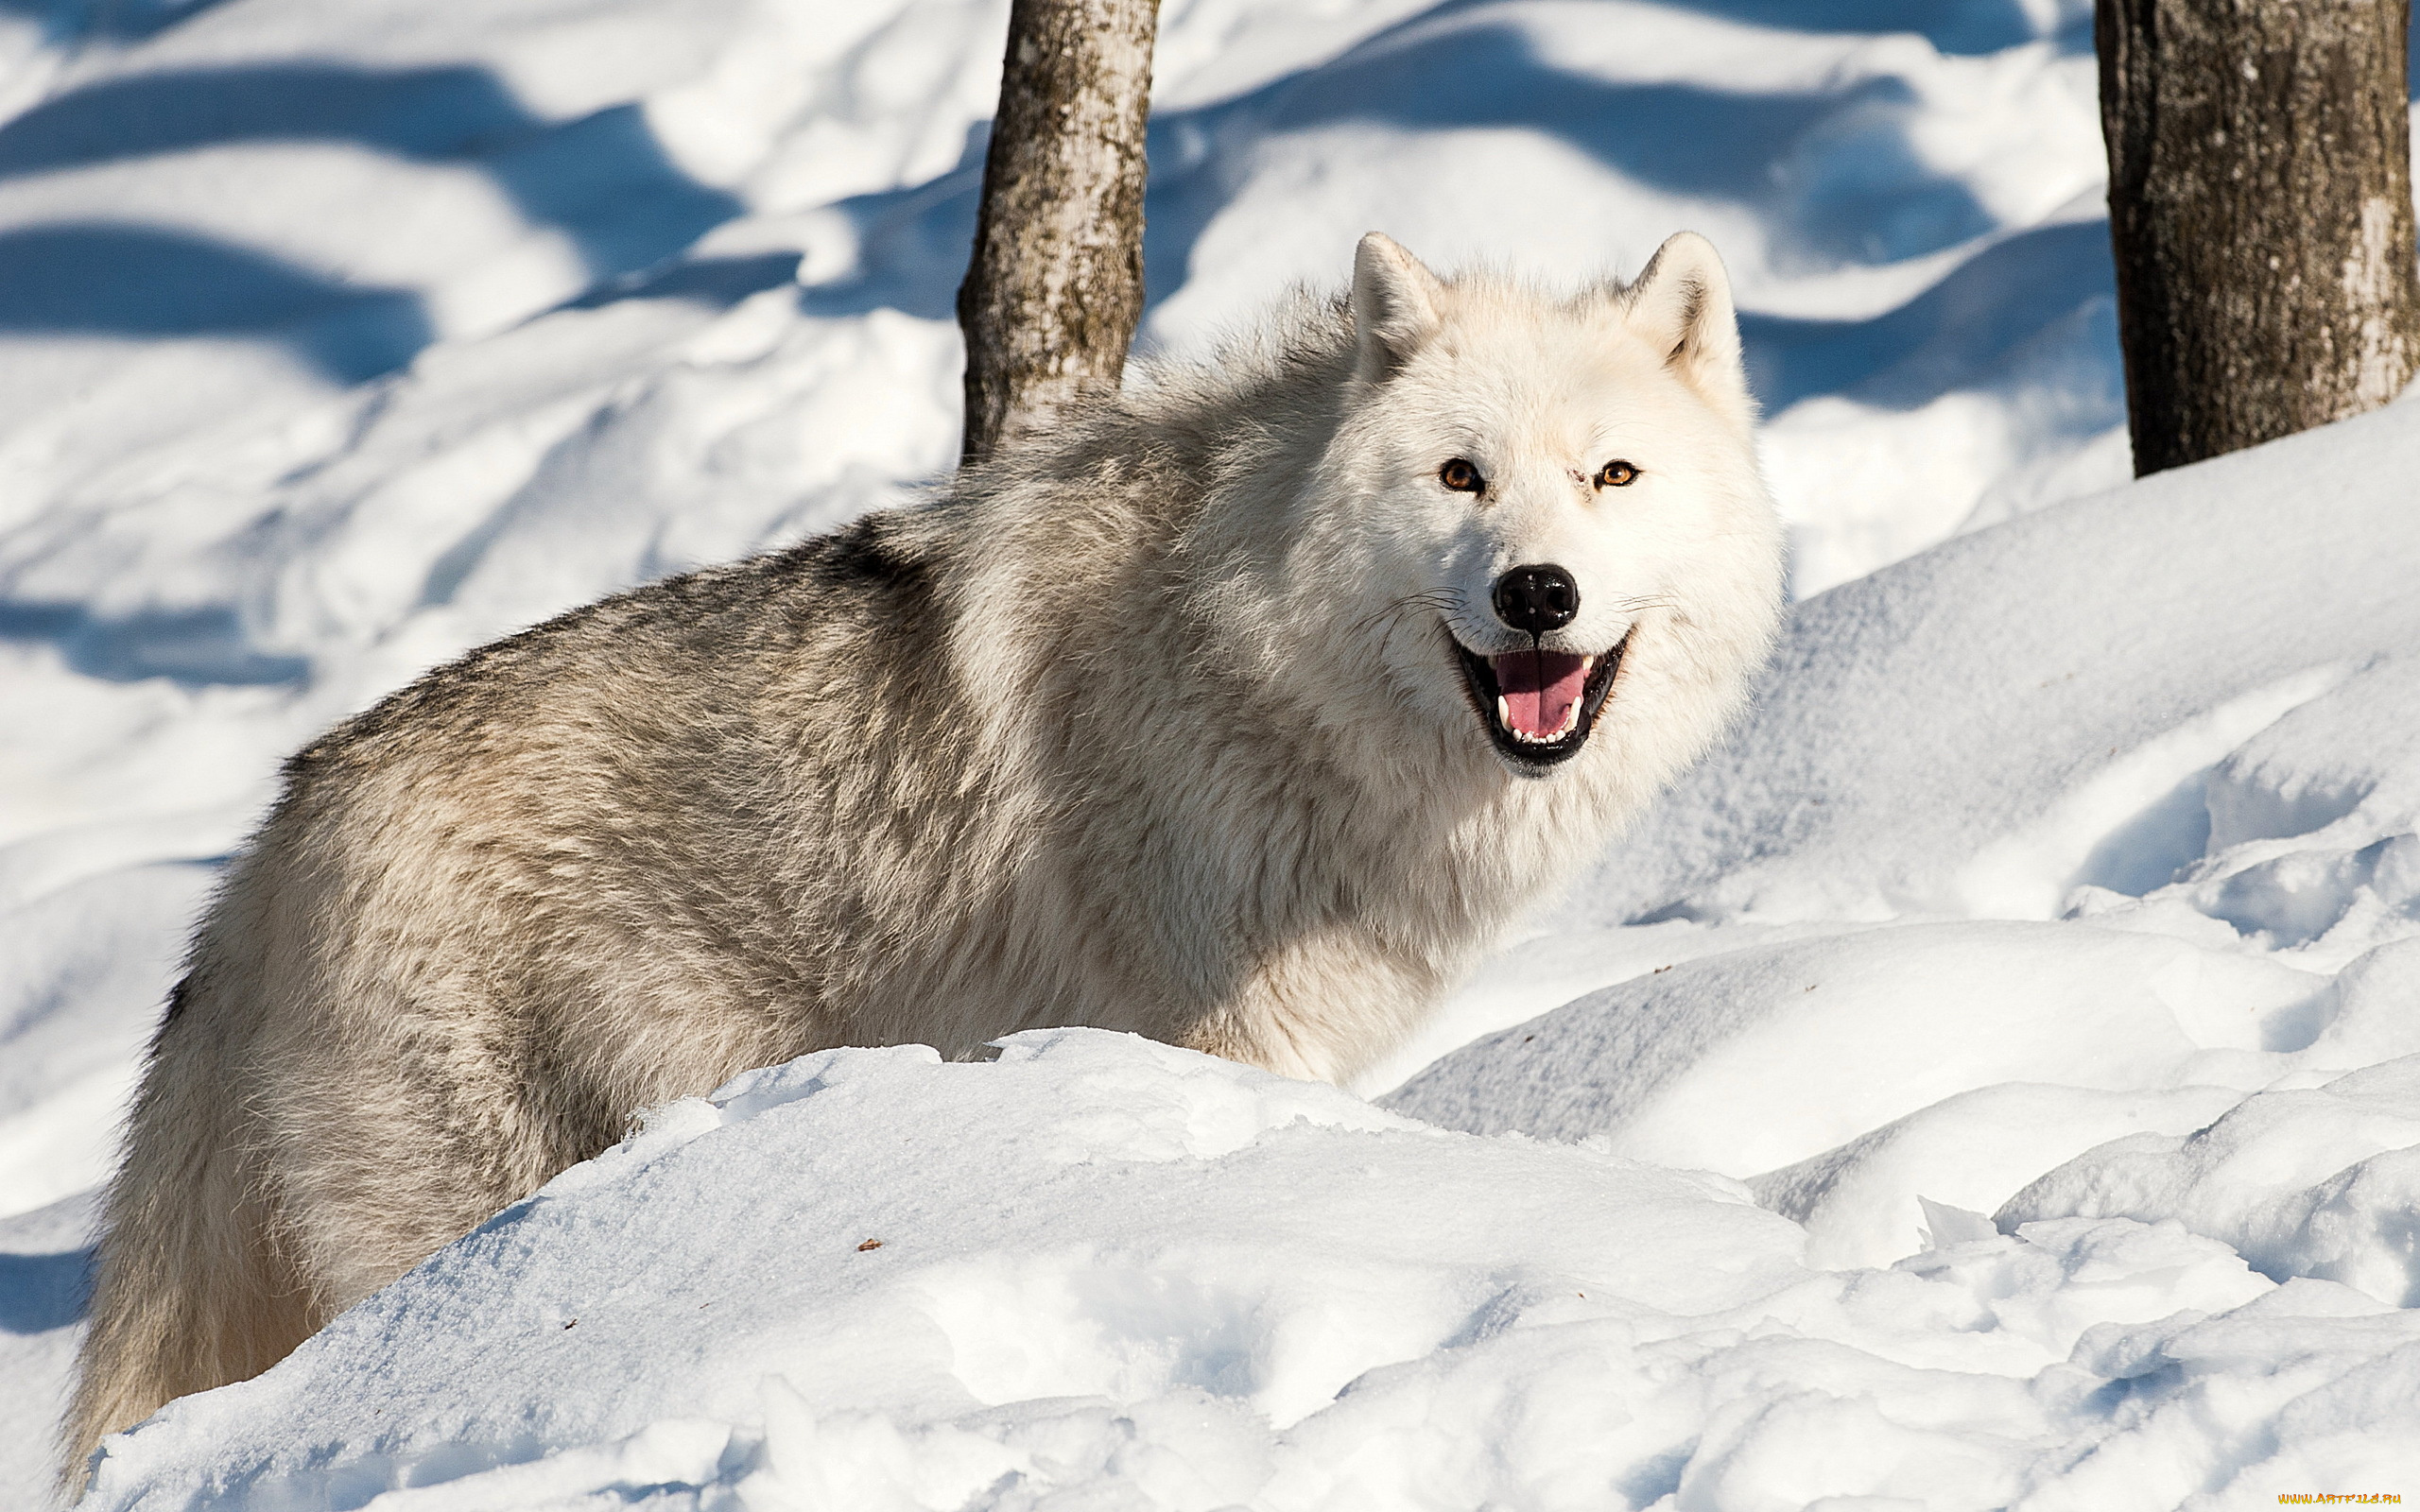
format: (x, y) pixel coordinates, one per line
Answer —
(1104, 1272)
(1991, 1080)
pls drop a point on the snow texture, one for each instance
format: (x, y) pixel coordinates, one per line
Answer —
(1166, 1280)
(1993, 1080)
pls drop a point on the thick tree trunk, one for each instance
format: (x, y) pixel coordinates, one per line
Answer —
(2261, 208)
(1056, 284)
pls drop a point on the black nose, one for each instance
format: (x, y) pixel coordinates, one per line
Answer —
(1536, 599)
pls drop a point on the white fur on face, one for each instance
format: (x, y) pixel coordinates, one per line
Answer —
(1540, 394)
(1540, 411)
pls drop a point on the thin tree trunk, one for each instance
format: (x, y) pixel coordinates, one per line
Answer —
(1056, 284)
(2260, 209)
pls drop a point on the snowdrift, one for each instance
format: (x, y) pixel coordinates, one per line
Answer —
(1104, 1272)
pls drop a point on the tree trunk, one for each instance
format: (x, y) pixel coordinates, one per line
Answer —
(2260, 209)
(1056, 284)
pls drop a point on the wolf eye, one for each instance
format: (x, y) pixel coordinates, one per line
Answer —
(1616, 475)
(1461, 476)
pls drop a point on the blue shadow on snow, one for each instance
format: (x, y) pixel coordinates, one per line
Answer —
(139, 280)
(75, 21)
(1685, 139)
(192, 646)
(1876, 205)
(914, 241)
(719, 281)
(38, 1293)
(603, 181)
(1989, 305)
(1959, 27)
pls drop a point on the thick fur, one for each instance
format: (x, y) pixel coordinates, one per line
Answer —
(1154, 724)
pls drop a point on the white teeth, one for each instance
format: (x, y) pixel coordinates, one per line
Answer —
(1570, 714)
(1570, 723)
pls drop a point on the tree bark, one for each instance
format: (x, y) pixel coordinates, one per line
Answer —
(1056, 284)
(2260, 209)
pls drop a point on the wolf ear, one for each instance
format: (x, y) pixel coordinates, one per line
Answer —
(1394, 306)
(1682, 306)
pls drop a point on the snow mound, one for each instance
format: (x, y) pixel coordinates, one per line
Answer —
(2314, 840)
(2322, 1181)
(1093, 1216)
(1846, 1077)
(1103, 1268)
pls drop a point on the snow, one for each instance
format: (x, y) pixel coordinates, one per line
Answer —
(2322, 1181)
(1168, 1280)
(1989, 1081)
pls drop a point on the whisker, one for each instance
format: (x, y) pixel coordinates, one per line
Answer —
(1438, 600)
(1632, 606)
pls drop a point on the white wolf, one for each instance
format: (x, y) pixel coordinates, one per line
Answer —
(1242, 712)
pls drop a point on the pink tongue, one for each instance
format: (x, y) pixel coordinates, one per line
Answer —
(1539, 688)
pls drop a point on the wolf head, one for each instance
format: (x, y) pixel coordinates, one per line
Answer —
(1550, 509)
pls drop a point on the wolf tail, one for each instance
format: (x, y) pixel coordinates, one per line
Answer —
(189, 1289)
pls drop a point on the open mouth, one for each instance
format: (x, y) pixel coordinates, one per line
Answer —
(1539, 705)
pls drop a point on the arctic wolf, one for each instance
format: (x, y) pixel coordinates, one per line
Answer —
(1243, 711)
